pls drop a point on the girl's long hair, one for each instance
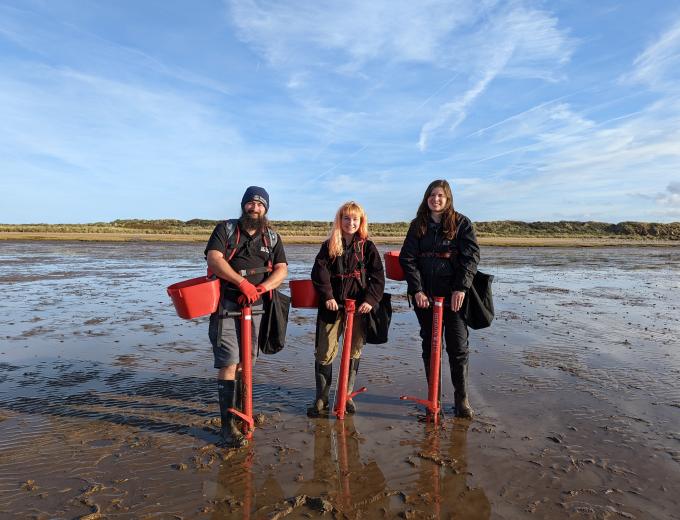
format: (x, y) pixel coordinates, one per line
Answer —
(335, 238)
(448, 215)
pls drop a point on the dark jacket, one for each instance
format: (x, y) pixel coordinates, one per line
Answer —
(436, 276)
(367, 288)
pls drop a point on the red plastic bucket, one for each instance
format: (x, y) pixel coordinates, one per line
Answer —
(196, 297)
(393, 268)
(303, 294)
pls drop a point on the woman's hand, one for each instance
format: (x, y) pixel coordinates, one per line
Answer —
(421, 300)
(364, 308)
(332, 305)
(457, 300)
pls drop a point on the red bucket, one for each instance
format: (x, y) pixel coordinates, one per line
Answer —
(303, 294)
(196, 297)
(393, 268)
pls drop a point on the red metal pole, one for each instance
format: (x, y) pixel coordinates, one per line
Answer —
(343, 463)
(248, 492)
(246, 373)
(432, 403)
(435, 357)
(247, 368)
(341, 395)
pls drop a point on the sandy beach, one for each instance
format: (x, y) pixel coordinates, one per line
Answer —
(108, 405)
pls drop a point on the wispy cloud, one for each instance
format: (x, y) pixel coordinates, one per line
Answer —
(515, 42)
(659, 65)
(287, 34)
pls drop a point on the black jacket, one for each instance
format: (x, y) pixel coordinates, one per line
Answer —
(330, 286)
(437, 276)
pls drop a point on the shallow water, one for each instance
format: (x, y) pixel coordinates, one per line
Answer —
(108, 400)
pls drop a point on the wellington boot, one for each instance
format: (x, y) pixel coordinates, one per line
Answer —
(459, 378)
(231, 436)
(323, 375)
(463, 408)
(350, 406)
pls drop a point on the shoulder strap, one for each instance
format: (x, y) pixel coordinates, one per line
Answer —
(233, 230)
(273, 238)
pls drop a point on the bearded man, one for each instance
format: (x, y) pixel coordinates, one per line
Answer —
(249, 259)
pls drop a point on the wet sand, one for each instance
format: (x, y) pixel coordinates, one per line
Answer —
(108, 400)
(529, 241)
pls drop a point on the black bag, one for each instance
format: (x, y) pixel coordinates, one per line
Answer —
(272, 335)
(478, 306)
(378, 321)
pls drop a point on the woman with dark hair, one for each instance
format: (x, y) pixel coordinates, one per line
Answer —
(439, 257)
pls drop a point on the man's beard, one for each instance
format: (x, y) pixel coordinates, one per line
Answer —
(254, 221)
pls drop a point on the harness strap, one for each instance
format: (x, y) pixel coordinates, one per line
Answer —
(255, 270)
(353, 274)
(432, 254)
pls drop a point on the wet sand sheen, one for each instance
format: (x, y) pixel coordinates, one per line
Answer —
(108, 402)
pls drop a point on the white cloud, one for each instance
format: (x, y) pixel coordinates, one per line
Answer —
(479, 40)
(659, 65)
(517, 42)
(116, 141)
(287, 34)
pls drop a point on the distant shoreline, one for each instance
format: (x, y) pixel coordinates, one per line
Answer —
(502, 241)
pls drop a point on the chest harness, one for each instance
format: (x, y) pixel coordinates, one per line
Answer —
(269, 238)
(359, 273)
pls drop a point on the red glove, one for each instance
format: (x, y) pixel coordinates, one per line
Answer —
(250, 294)
(261, 289)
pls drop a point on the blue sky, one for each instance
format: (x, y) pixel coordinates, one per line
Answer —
(564, 110)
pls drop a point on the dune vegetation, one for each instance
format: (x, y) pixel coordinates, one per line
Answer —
(307, 228)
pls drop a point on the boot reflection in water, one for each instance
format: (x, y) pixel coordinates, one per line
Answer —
(443, 490)
(468, 502)
(352, 487)
(241, 491)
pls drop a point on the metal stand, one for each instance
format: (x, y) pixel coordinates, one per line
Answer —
(341, 395)
(432, 403)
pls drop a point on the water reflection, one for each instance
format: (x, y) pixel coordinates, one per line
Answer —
(442, 488)
(236, 493)
(348, 485)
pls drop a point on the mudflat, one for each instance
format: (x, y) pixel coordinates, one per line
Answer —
(108, 403)
(505, 241)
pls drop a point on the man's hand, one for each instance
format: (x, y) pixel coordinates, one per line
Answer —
(250, 294)
(332, 305)
(457, 300)
(364, 308)
(422, 301)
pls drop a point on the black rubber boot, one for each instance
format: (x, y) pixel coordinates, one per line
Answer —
(323, 375)
(459, 378)
(426, 364)
(232, 437)
(350, 406)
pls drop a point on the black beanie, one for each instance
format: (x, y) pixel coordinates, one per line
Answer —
(256, 193)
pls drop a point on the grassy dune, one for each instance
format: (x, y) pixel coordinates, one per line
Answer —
(305, 231)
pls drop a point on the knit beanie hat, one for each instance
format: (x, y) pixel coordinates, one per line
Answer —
(256, 193)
